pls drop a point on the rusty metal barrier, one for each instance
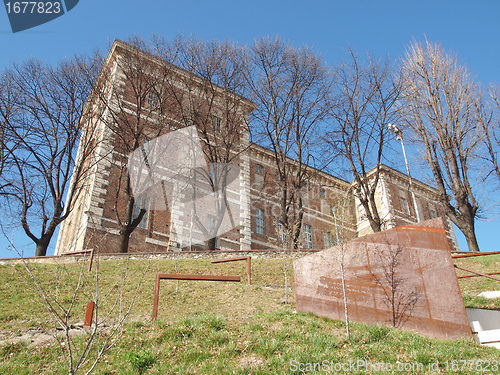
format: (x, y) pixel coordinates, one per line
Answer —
(249, 265)
(487, 275)
(475, 273)
(456, 256)
(424, 267)
(162, 276)
(83, 252)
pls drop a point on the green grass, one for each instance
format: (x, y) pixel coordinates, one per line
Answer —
(480, 302)
(210, 344)
(212, 327)
(472, 286)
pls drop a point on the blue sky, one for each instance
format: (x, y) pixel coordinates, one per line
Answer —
(382, 28)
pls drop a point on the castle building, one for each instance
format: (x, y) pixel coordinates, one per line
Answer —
(172, 156)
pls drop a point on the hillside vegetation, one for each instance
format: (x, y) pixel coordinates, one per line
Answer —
(472, 286)
(216, 327)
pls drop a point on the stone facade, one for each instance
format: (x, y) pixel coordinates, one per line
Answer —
(396, 206)
(331, 214)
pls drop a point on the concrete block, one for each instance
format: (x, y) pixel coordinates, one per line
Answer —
(493, 294)
(491, 336)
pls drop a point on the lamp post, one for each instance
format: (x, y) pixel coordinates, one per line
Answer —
(399, 136)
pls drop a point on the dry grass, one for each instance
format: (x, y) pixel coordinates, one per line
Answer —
(118, 282)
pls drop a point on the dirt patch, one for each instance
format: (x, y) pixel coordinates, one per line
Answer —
(36, 337)
(251, 361)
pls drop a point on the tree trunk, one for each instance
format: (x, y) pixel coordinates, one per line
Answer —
(43, 243)
(344, 294)
(470, 236)
(124, 240)
(467, 226)
(376, 227)
(372, 215)
(41, 246)
(297, 228)
(127, 229)
(210, 243)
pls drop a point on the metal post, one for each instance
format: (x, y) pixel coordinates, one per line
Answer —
(89, 313)
(399, 137)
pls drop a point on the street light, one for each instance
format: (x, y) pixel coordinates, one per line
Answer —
(399, 136)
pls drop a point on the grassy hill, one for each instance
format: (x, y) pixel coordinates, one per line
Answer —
(471, 287)
(212, 327)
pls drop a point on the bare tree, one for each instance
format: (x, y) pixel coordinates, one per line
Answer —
(399, 296)
(41, 113)
(363, 104)
(441, 103)
(342, 213)
(211, 98)
(290, 86)
(489, 119)
(61, 297)
(9, 96)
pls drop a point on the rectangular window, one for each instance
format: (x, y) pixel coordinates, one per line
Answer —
(260, 222)
(404, 205)
(322, 193)
(259, 169)
(337, 240)
(327, 239)
(152, 99)
(433, 214)
(281, 232)
(138, 205)
(216, 124)
(308, 239)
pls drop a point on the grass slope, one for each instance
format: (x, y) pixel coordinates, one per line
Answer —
(472, 286)
(218, 328)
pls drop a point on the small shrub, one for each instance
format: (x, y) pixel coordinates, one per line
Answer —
(378, 332)
(141, 361)
(212, 321)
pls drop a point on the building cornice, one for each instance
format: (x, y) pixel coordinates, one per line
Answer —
(401, 176)
(262, 151)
